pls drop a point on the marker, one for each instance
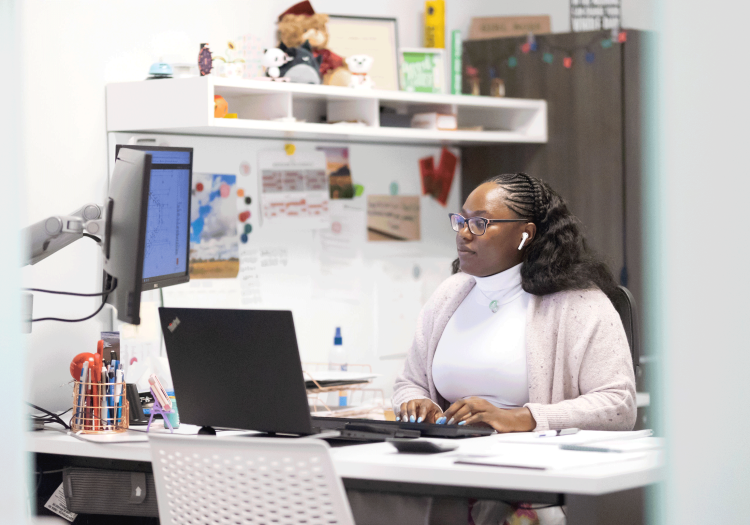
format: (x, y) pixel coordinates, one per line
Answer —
(81, 401)
(561, 432)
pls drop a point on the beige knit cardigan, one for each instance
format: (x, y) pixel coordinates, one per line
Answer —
(580, 370)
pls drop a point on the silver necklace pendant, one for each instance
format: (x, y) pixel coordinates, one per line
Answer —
(494, 307)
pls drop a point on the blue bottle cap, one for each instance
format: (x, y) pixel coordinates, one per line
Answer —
(337, 338)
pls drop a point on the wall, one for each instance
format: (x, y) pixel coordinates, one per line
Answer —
(71, 50)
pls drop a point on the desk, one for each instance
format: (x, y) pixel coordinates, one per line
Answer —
(378, 467)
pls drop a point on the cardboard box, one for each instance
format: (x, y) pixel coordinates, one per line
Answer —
(434, 121)
(502, 26)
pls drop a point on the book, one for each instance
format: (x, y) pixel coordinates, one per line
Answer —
(434, 23)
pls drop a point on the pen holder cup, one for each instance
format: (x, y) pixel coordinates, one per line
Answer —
(98, 409)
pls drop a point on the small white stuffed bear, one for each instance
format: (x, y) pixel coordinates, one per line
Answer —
(359, 66)
(273, 58)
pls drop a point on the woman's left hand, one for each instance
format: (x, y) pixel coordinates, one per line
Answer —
(480, 412)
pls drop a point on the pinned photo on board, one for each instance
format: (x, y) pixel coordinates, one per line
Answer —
(338, 172)
(214, 247)
(393, 218)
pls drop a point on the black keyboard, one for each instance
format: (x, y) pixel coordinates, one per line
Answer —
(399, 428)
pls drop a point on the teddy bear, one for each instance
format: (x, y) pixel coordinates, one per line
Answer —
(301, 23)
(359, 66)
(273, 59)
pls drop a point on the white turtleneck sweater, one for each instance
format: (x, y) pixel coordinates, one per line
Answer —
(481, 353)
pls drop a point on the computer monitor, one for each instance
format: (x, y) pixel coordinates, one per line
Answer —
(147, 224)
(167, 249)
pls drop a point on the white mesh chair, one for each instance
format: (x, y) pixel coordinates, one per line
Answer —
(207, 480)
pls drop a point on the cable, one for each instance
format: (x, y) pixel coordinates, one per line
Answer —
(51, 416)
(104, 301)
(97, 239)
(41, 290)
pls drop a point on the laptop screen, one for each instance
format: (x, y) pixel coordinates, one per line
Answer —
(236, 369)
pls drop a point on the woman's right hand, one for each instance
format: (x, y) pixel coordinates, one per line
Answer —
(419, 411)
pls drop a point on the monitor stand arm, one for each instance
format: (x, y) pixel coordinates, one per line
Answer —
(52, 234)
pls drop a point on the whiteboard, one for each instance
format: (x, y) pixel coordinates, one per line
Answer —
(372, 290)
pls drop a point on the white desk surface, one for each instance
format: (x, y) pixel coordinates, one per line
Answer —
(381, 462)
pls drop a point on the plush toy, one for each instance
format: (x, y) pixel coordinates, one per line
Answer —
(273, 60)
(359, 66)
(301, 23)
(302, 67)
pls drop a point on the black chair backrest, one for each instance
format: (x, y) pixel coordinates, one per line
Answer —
(625, 305)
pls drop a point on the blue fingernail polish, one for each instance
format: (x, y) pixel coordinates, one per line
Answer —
(440, 421)
(462, 423)
(411, 419)
(420, 419)
(398, 418)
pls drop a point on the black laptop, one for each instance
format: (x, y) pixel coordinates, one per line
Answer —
(240, 369)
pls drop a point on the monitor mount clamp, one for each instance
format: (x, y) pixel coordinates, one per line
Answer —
(54, 233)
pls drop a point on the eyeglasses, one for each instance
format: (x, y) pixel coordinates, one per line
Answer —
(477, 225)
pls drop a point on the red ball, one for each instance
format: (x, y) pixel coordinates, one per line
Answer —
(245, 215)
(199, 186)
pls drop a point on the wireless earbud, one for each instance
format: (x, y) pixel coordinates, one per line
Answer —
(523, 240)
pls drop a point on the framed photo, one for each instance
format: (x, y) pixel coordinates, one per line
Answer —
(423, 70)
(376, 37)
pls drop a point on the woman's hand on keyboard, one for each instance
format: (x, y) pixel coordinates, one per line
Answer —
(419, 411)
(475, 411)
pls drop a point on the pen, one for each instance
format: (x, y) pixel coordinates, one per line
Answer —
(588, 449)
(111, 397)
(561, 432)
(118, 395)
(103, 401)
(80, 401)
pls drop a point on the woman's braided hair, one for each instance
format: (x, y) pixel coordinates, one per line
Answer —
(558, 258)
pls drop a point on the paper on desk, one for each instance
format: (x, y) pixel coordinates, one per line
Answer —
(547, 458)
(583, 437)
(632, 445)
(339, 375)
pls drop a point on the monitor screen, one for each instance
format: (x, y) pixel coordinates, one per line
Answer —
(167, 245)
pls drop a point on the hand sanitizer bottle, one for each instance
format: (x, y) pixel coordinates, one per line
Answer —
(338, 361)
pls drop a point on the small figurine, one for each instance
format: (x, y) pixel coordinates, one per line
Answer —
(273, 59)
(303, 67)
(359, 66)
(205, 61)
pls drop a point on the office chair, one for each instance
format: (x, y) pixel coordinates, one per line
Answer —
(625, 305)
(205, 480)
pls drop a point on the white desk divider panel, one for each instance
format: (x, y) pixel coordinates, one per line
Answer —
(301, 111)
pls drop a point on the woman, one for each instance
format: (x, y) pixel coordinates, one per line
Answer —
(522, 337)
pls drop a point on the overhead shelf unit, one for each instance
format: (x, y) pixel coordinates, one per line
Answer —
(302, 111)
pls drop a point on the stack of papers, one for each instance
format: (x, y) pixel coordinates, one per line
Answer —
(583, 437)
(328, 378)
(548, 458)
